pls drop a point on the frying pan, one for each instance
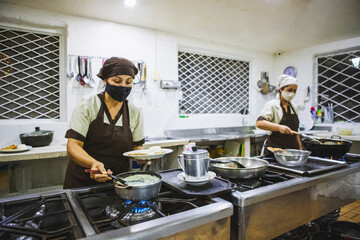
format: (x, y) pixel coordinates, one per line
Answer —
(330, 147)
(254, 167)
(141, 192)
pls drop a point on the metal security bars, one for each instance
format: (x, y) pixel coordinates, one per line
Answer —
(29, 75)
(338, 82)
(213, 85)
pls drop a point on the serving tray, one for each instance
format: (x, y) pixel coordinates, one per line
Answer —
(213, 188)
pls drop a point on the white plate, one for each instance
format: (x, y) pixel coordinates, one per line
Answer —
(210, 175)
(148, 154)
(16, 150)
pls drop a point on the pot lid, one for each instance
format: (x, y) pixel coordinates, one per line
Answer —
(38, 132)
(195, 153)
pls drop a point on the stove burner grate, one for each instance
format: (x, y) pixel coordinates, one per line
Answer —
(105, 211)
(44, 217)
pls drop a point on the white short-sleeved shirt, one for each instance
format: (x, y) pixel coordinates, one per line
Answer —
(272, 111)
(86, 111)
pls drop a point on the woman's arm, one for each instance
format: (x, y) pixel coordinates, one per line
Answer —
(77, 153)
(274, 127)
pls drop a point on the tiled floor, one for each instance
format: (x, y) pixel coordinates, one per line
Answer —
(350, 212)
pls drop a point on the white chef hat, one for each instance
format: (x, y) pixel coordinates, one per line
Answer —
(285, 80)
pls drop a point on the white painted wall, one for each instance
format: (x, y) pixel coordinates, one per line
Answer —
(91, 37)
(304, 60)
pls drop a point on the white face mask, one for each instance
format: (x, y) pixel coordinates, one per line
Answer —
(288, 96)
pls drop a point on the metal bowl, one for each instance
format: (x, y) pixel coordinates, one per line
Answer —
(291, 157)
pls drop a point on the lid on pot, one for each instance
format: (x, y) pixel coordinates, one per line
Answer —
(38, 132)
(195, 153)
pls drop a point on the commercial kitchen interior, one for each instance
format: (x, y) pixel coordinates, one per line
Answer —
(263, 36)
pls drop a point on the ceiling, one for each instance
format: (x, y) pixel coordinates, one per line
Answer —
(265, 25)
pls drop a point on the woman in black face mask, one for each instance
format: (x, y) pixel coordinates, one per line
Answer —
(103, 127)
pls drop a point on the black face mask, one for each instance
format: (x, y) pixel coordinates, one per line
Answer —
(119, 93)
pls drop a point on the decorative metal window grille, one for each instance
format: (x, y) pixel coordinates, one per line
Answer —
(213, 85)
(338, 83)
(29, 75)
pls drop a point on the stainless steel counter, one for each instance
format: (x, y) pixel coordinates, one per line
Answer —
(270, 211)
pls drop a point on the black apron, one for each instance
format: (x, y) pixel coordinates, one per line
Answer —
(277, 139)
(106, 143)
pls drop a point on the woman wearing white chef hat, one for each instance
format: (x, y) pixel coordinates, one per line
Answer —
(280, 116)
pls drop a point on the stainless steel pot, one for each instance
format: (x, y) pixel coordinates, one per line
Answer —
(254, 167)
(138, 193)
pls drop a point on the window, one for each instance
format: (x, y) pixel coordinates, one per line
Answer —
(338, 83)
(29, 75)
(213, 85)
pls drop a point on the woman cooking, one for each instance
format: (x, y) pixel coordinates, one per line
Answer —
(280, 116)
(103, 127)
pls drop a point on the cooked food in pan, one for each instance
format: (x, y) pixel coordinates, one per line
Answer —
(272, 149)
(140, 179)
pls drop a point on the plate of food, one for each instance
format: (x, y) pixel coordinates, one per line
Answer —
(15, 148)
(151, 153)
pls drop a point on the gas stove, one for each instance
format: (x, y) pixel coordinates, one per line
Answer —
(286, 198)
(98, 213)
(43, 217)
(105, 211)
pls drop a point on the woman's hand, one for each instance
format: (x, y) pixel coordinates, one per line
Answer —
(285, 129)
(100, 177)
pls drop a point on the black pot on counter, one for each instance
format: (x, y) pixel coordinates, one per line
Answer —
(37, 138)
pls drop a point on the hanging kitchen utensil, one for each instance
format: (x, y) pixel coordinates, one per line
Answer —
(82, 71)
(79, 77)
(69, 72)
(91, 79)
(85, 65)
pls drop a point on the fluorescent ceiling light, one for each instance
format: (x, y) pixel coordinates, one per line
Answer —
(130, 3)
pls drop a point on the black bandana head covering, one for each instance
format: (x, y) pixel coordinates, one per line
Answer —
(117, 66)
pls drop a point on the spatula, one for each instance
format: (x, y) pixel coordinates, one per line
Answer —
(110, 175)
(309, 137)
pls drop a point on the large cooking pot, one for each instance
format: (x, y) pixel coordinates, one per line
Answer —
(141, 192)
(330, 147)
(37, 138)
(254, 167)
